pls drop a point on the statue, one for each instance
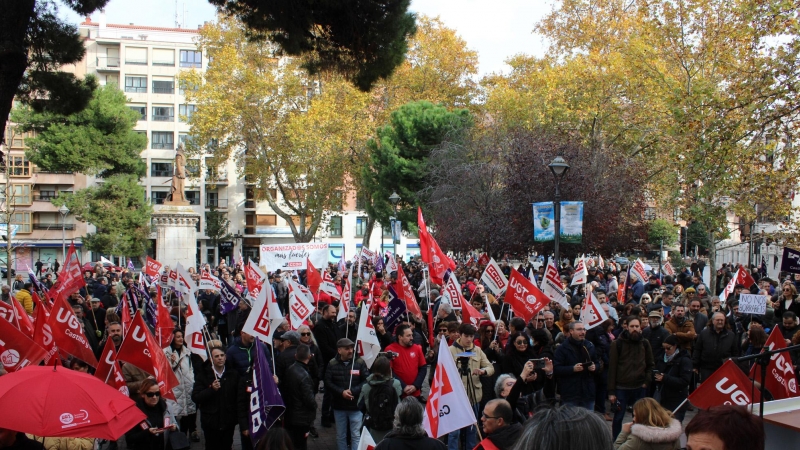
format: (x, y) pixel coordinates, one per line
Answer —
(176, 194)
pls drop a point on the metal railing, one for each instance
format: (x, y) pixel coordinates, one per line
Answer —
(163, 145)
(138, 62)
(164, 63)
(217, 203)
(163, 118)
(107, 62)
(250, 204)
(44, 198)
(136, 89)
(163, 90)
(53, 226)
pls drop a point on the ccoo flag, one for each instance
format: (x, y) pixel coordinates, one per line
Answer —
(265, 405)
(448, 408)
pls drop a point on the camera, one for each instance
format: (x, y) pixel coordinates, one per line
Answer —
(538, 364)
(463, 365)
(616, 407)
(389, 355)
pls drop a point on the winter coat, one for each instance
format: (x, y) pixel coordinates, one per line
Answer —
(373, 380)
(64, 443)
(23, 296)
(240, 358)
(133, 378)
(219, 409)
(301, 408)
(683, 331)
(396, 441)
(656, 336)
(630, 363)
(712, 349)
(504, 438)
(325, 334)
(643, 437)
(139, 438)
(677, 376)
(182, 366)
(700, 321)
(574, 385)
(477, 361)
(337, 379)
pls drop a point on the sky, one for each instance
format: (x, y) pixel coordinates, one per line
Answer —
(496, 29)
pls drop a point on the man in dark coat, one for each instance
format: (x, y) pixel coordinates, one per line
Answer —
(291, 339)
(574, 364)
(714, 345)
(630, 369)
(241, 353)
(344, 378)
(301, 408)
(498, 424)
(325, 333)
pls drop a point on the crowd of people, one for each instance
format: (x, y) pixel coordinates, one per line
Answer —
(662, 339)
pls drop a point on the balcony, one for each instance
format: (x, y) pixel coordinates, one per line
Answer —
(107, 64)
(161, 173)
(163, 146)
(250, 204)
(216, 179)
(137, 62)
(163, 118)
(220, 203)
(43, 198)
(53, 226)
(163, 90)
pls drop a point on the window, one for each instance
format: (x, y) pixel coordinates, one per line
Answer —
(338, 201)
(21, 194)
(650, 213)
(136, 84)
(141, 110)
(46, 195)
(23, 220)
(193, 197)
(163, 113)
(19, 166)
(212, 199)
(335, 226)
(361, 202)
(161, 169)
(158, 197)
(163, 87)
(162, 140)
(163, 57)
(191, 58)
(215, 173)
(185, 112)
(266, 220)
(136, 55)
(361, 226)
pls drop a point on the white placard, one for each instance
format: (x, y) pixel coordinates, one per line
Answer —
(293, 256)
(753, 304)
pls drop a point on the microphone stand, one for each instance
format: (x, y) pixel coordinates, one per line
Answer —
(762, 359)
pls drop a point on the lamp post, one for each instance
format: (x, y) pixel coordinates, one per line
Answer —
(64, 211)
(559, 167)
(395, 199)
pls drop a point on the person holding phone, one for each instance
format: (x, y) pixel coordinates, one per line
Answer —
(149, 434)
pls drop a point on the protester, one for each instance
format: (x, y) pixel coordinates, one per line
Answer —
(408, 433)
(681, 327)
(344, 378)
(714, 345)
(673, 377)
(653, 428)
(409, 366)
(215, 393)
(630, 366)
(149, 434)
(565, 428)
(277, 438)
(726, 427)
(301, 407)
(23, 295)
(574, 364)
(10, 439)
(183, 408)
(498, 424)
(380, 395)
(325, 334)
(241, 354)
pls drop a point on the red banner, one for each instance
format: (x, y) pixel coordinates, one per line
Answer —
(164, 326)
(68, 333)
(525, 299)
(484, 259)
(70, 278)
(781, 381)
(727, 386)
(313, 278)
(17, 350)
(471, 315)
(42, 334)
(253, 279)
(152, 267)
(406, 293)
(141, 349)
(23, 322)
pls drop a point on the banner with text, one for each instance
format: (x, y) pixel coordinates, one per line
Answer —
(571, 222)
(293, 256)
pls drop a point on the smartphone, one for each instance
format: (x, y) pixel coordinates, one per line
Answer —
(538, 364)
(587, 364)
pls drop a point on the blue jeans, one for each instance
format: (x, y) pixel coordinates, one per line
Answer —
(342, 418)
(587, 404)
(625, 397)
(452, 437)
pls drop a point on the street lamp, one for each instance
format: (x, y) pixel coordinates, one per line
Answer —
(395, 199)
(559, 167)
(64, 211)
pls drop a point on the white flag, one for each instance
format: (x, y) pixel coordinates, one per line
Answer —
(592, 313)
(184, 282)
(104, 261)
(452, 292)
(301, 304)
(493, 278)
(600, 262)
(551, 285)
(208, 281)
(723, 296)
(639, 271)
(581, 274)
(195, 322)
(391, 264)
(366, 442)
(344, 303)
(367, 344)
(668, 269)
(327, 285)
(265, 316)
(447, 396)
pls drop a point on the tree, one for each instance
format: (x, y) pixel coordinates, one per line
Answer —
(365, 40)
(35, 43)
(293, 137)
(398, 157)
(118, 210)
(98, 140)
(662, 232)
(217, 225)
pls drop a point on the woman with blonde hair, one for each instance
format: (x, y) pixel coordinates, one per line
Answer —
(653, 428)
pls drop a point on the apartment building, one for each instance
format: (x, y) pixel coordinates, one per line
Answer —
(144, 62)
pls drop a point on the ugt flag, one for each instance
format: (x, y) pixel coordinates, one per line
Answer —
(781, 381)
(727, 386)
(448, 408)
(265, 404)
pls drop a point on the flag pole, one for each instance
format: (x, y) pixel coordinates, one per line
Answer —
(679, 406)
(204, 331)
(495, 325)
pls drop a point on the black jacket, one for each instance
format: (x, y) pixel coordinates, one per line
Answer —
(677, 376)
(574, 385)
(298, 394)
(656, 338)
(505, 437)
(337, 379)
(396, 441)
(218, 409)
(712, 349)
(325, 333)
(139, 438)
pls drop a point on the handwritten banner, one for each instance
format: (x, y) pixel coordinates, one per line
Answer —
(293, 256)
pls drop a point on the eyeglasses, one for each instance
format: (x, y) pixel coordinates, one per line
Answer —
(489, 417)
(443, 330)
(540, 320)
(489, 330)
(521, 342)
(305, 334)
(153, 394)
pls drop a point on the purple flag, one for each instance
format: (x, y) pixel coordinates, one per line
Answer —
(228, 298)
(36, 283)
(266, 404)
(394, 310)
(130, 265)
(379, 264)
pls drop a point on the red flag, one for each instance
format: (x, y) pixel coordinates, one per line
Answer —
(70, 278)
(125, 310)
(313, 278)
(7, 312)
(404, 291)
(728, 385)
(17, 350)
(164, 325)
(42, 334)
(781, 381)
(431, 253)
(471, 315)
(253, 279)
(525, 299)
(38, 301)
(152, 267)
(23, 322)
(744, 278)
(141, 349)
(68, 333)
(108, 370)
(484, 259)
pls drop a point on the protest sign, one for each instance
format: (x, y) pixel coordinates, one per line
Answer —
(753, 304)
(293, 256)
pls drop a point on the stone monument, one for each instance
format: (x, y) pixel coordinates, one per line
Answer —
(176, 221)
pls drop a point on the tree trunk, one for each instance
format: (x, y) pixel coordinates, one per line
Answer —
(368, 232)
(14, 21)
(712, 262)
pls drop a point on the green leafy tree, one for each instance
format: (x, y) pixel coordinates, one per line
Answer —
(398, 156)
(660, 232)
(34, 44)
(217, 225)
(364, 40)
(117, 208)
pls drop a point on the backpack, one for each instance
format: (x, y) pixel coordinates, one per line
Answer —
(383, 401)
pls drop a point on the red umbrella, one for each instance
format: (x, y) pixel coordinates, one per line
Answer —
(58, 402)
